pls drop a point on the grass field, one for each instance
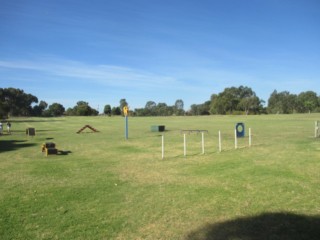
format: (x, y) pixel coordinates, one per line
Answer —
(102, 186)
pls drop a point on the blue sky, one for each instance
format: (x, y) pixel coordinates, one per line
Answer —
(100, 51)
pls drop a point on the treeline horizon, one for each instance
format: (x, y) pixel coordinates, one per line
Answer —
(240, 100)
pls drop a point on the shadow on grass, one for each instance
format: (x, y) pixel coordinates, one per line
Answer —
(271, 226)
(13, 132)
(34, 120)
(58, 152)
(11, 145)
(61, 152)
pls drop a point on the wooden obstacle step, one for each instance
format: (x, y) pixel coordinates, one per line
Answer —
(51, 151)
(49, 148)
(87, 126)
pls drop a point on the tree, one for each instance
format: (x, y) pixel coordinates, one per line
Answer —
(153, 109)
(150, 105)
(200, 109)
(248, 101)
(213, 107)
(107, 110)
(307, 102)
(94, 112)
(116, 111)
(150, 108)
(251, 103)
(39, 109)
(282, 102)
(163, 109)
(139, 112)
(70, 112)
(218, 104)
(83, 109)
(55, 110)
(43, 105)
(232, 98)
(241, 99)
(3, 110)
(123, 103)
(16, 102)
(205, 108)
(178, 107)
(274, 104)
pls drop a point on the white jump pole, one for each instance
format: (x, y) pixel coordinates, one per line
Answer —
(250, 140)
(316, 128)
(202, 142)
(220, 147)
(235, 139)
(162, 150)
(184, 145)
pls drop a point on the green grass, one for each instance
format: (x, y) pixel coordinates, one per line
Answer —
(104, 187)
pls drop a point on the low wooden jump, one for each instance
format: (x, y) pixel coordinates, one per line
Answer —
(88, 126)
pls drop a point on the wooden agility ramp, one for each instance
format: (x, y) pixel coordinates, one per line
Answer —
(87, 126)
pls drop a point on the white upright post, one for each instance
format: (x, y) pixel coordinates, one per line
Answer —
(162, 147)
(202, 142)
(250, 137)
(316, 129)
(235, 139)
(184, 145)
(220, 147)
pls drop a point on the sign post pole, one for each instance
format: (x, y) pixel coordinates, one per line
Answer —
(125, 112)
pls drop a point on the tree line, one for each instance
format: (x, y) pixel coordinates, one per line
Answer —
(15, 102)
(232, 100)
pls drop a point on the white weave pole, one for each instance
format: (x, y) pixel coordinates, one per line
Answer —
(184, 145)
(220, 147)
(250, 140)
(316, 129)
(202, 143)
(235, 139)
(162, 150)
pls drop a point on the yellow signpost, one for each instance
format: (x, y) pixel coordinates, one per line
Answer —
(125, 110)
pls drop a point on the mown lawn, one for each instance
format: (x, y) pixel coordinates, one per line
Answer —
(102, 186)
